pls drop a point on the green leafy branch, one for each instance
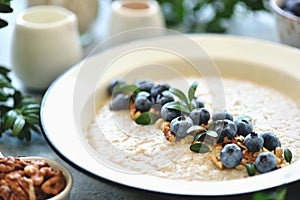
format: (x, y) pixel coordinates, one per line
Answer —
(193, 15)
(4, 8)
(19, 114)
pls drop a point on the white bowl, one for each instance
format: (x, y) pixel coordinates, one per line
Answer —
(288, 25)
(74, 97)
(65, 193)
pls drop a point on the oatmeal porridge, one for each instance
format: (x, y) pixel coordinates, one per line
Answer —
(116, 138)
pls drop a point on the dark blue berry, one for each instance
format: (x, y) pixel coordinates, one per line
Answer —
(143, 93)
(231, 155)
(200, 116)
(197, 102)
(169, 114)
(144, 85)
(265, 162)
(165, 97)
(114, 83)
(253, 142)
(142, 103)
(221, 115)
(271, 141)
(244, 126)
(224, 128)
(120, 102)
(180, 125)
(158, 89)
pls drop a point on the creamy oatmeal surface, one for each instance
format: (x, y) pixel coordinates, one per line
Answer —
(124, 145)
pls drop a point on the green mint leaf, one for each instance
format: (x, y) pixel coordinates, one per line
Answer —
(30, 109)
(18, 125)
(212, 133)
(10, 118)
(147, 118)
(32, 118)
(179, 94)
(178, 106)
(198, 136)
(199, 148)
(287, 155)
(195, 128)
(192, 90)
(250, 169)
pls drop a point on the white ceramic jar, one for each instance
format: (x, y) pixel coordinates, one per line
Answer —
(131, 14)
(85, 10)
(46, 42)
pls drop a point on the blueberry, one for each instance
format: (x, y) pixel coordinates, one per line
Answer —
(253, 142)
(142, 103)
(143, 93)
(265, 162)
(222, 114)
(244, 126)
(224, 128)
(168, 114)
(158, 89)
(144, 85)
(120, 102)
(231, 155)
(180, 125)
(200, 116)
(164, 97)
(114, 83)
(271, 141)
(198, 102)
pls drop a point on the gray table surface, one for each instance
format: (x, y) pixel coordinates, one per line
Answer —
(260, 25)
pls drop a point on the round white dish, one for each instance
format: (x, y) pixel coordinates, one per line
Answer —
(69, 104)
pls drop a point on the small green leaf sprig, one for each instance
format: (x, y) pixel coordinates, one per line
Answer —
(19, 114)
(185, 102)
(197, 146)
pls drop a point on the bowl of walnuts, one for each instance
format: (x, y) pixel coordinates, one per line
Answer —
(34, 178)
(287, 15)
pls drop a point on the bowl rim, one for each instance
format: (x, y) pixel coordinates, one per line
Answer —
(57, 166)
(278, 10)
(204, 39)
